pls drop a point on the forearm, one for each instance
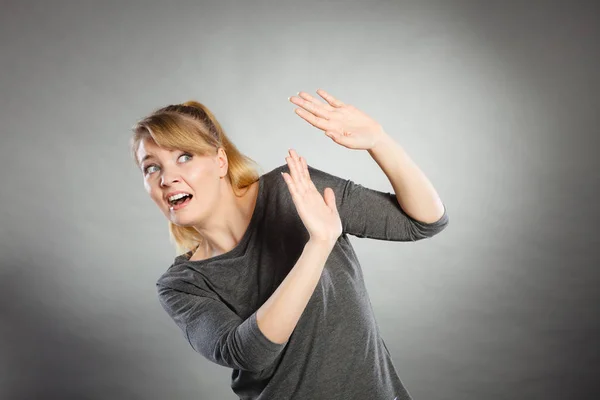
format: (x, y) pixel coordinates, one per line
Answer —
(415, 193)
(278, 316)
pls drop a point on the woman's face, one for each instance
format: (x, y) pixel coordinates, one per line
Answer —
(167, 171)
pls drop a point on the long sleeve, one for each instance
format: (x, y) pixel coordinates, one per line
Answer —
(369, 213)
(335, 350)
(217, 333)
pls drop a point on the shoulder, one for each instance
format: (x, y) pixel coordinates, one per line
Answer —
(174, 274)
(317, 175)
(181, 277)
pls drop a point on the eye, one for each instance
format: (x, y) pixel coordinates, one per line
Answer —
(147, 168)
(186, 154)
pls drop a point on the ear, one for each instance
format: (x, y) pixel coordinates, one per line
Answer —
(222, 162)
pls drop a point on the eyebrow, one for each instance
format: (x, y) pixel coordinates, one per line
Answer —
(147, 156)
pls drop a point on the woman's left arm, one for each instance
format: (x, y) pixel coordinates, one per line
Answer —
(415, 193)
(348, 126)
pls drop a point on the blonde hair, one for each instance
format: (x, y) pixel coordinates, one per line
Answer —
(192, 127)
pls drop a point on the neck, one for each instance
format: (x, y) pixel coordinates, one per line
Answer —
(229, 221)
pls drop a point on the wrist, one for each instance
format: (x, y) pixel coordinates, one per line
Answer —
(322, 244)
(381, 140)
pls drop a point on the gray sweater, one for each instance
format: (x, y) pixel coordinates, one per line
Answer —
(335, 351)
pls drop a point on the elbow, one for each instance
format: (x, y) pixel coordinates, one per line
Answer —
(260, 365)
(225, 355)
(423, 230)
(440, 225)
(238, 360)
(234, 349)
(245, 359)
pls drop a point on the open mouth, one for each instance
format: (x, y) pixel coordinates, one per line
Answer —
(181, 201)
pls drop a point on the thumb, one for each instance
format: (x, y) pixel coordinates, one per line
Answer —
(329, 197)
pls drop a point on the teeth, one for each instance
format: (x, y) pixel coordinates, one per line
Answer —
(177, 196)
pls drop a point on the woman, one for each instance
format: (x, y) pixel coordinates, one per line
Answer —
(269, 284)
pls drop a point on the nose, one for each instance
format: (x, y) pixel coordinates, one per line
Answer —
(168, 178)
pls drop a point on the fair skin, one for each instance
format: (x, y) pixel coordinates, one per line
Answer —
(222, 218)
(348, 126)
(214, 210)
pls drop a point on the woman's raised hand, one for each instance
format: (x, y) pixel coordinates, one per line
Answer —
(318, 213)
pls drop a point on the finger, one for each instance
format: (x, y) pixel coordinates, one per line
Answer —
(294, 154)
(330, 99)
(314, 107)
(315, 101)
(302, 170)
(321, 123)
(297, 197)
(304, 183)
(294, 171)
(307, 183)
(310, 184)
(291, 186)
(305, 168)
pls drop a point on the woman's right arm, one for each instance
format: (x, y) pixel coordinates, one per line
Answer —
(220, 335)
(280, 314)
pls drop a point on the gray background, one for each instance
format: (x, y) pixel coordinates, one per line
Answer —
(497, 103)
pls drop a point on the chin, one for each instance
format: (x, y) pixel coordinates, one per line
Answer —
(184, 223)
(187, 219)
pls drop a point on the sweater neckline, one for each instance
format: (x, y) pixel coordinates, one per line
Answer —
(240, 247)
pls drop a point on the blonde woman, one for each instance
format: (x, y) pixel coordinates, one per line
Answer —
(267, 282)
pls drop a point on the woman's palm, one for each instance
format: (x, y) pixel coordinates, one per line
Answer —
(318, 213)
